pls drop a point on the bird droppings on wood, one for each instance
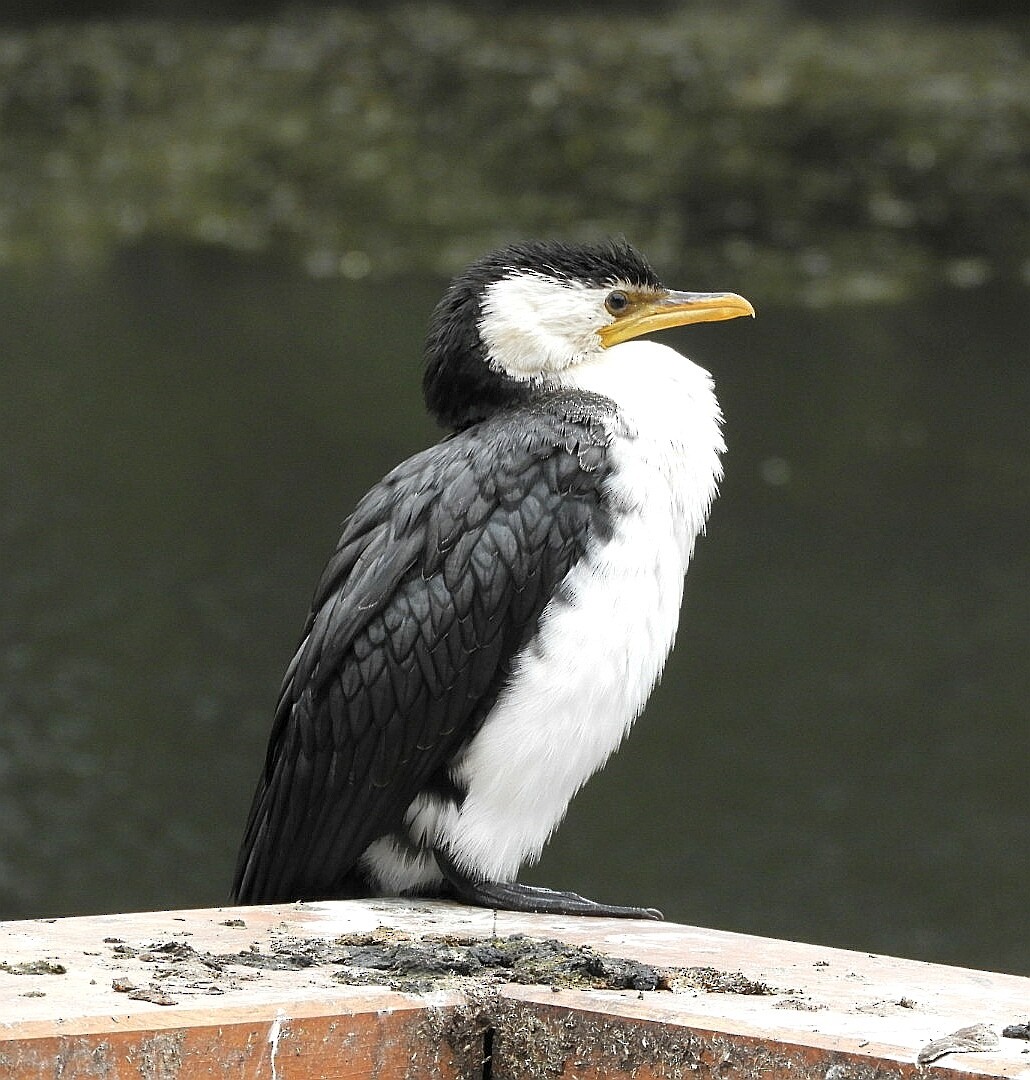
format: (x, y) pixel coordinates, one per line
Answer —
(434, 960)
(972, 1039)
(33, 967)
(154, 994)
(425, 964)
(799, 1004)
(417, 965)
(886, 1008)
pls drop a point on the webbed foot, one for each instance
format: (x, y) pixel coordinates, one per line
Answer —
(511, 896)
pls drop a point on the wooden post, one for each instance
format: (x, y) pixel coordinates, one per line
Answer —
(399, 988)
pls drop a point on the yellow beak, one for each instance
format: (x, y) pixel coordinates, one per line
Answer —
(673, 309)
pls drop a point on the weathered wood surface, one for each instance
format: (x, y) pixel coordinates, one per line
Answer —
(228, 1011)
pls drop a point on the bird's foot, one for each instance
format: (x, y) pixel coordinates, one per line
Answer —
(511, 896)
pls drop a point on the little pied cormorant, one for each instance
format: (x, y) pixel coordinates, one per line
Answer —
(501, 605)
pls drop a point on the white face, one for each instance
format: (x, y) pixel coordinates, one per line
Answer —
(534, 325)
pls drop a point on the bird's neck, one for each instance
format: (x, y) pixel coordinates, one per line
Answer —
(670, 423)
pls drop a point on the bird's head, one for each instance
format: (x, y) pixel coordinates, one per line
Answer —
(519, 318)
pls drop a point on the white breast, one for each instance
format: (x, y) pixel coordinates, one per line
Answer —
(584, 679)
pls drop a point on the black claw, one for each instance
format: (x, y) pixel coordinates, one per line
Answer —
(511, 896)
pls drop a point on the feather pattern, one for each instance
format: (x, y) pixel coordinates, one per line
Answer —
(437, 583)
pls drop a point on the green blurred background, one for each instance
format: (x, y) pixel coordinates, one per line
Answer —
(221, 234)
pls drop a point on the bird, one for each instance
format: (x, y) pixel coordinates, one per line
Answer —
(499, 606)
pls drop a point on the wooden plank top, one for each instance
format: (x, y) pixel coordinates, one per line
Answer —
(270, 974)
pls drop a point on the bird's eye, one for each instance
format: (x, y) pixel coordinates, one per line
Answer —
(616, 302)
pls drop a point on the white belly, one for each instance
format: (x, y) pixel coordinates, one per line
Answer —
(574, 695)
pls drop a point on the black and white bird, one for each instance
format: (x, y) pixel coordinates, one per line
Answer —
(500, 606)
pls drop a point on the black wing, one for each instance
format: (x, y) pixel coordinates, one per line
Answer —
(438, 581)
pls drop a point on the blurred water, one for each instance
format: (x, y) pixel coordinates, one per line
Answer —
(838, 752)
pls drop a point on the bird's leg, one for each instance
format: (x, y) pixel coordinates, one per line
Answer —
(511, 896)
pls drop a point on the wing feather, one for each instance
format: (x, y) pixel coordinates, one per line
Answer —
(438, 581)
